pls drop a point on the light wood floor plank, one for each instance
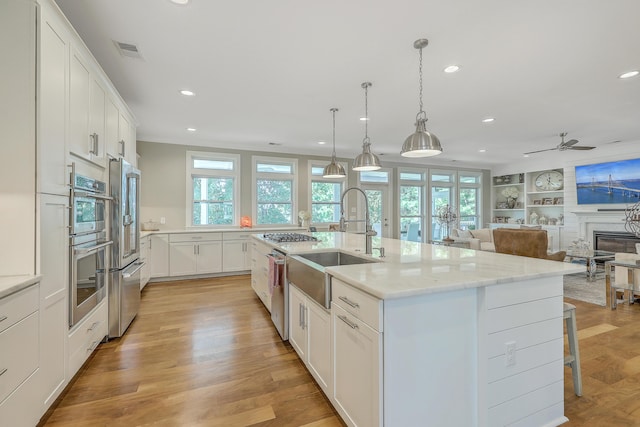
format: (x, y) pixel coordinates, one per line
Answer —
(204, 353)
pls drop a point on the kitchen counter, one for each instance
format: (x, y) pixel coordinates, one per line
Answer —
(144, 233)
(12, 284)
(411, 268)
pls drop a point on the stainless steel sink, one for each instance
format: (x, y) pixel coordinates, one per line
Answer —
(306, 272)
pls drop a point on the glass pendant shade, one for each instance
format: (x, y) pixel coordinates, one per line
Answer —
(421, 143)
(334, 169)
(366, 161)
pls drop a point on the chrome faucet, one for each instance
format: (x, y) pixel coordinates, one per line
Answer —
(369, 231)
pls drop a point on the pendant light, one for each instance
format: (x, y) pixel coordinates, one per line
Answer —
(422, 143)
(366, 161)
(334, 169)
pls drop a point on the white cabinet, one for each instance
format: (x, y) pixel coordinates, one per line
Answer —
(159, 255)
(236, 254)
(310, 336)
(19, 340)
(260, 271)
(97, 123)
(53, 261)
(195, 253)
(85, 337)
(120, 132)
(357, 355)
(145, 271)
(52, 100)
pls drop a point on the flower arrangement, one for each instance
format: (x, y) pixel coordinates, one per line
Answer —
(510, 193)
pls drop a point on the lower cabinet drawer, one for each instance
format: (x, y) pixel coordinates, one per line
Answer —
(364, 306)
(85, 339)
(17, 306)
(18, 353)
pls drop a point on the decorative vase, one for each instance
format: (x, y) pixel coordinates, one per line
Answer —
(511, 202)
(306, 223)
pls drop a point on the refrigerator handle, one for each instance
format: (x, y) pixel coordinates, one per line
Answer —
(138, 265)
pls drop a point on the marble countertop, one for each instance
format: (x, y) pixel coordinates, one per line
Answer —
(411, 268)
(12, 284)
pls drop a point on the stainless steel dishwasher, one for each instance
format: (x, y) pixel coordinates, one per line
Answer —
(280, 293)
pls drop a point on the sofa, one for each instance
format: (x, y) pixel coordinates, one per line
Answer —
(480, 239)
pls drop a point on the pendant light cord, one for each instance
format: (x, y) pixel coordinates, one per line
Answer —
(333, 110)
(365, 86)
(420, 73)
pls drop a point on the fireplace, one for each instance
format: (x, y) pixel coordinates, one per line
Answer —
(614, 241)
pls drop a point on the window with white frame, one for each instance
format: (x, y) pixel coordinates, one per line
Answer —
(470, 195)
(442, 193)
(274, 190)
(213, 181)
(325, 196)
(411, 201)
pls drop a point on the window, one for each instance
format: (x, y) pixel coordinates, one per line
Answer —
(212, 188)
(325, 196)
(274, 190)
(442, 192)
(470, 194)
(412, 187)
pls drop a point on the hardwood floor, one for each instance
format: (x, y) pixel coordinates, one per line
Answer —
(204, 353)
(200, 353)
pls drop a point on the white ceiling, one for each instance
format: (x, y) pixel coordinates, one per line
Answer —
(268, 71)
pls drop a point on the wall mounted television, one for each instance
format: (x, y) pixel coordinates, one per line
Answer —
(606, 183)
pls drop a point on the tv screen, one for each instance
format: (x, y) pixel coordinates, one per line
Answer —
(611, 182)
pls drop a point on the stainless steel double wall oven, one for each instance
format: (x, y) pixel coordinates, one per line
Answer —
(88, 245)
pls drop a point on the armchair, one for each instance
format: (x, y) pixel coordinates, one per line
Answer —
(530, 243)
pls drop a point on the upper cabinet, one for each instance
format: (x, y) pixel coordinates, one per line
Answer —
(82, 118)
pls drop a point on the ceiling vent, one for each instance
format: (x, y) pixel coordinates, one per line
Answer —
(128, 49)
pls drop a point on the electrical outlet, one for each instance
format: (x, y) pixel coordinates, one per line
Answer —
(510, 353)
(163, 220)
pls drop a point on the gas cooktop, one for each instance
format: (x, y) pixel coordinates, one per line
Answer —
(289, 237)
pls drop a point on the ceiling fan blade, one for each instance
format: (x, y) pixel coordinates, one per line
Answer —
(570, 143)
(581, 147)
(540, 151)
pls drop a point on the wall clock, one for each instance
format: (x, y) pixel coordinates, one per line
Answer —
(549, 181)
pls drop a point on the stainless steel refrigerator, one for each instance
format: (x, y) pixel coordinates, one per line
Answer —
(124, 274)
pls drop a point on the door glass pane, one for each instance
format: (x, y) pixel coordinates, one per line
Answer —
(411, 212)
(469, 208)
(440, 196)
(375, 209)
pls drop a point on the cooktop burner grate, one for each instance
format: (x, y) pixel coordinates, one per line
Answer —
(289, 237)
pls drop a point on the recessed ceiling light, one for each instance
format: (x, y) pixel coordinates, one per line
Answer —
(180, 1)
(451, 69)
(488, 120)
(191, 129)
(629, 74)
(274, 143)
(322, 142)
(186, 92)
(526, 155)
(482, 150)
(364, 119)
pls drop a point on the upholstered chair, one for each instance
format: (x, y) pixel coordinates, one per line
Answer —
(524, 242)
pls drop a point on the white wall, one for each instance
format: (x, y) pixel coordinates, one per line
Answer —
(17, 139)
(163, 192)
(568, 160)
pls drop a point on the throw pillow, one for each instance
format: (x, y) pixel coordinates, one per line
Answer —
(464, 233)
(484, 234)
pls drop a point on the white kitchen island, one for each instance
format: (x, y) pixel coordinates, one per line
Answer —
(442, 336)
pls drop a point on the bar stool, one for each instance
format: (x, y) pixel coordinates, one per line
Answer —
(573, 359)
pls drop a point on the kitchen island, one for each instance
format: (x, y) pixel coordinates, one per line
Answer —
(435, 335)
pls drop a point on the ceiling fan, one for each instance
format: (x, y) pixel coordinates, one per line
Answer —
(569, 145)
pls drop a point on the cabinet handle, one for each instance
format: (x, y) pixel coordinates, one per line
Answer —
(3, 371)
(300, 315)
(3, 318)
(93, 346)
(121, 142)
(349, 302)
(94, 144)
(304, 317)
(92, 327)
(194, 249)
(347, 321)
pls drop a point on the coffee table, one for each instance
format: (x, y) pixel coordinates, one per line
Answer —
(590, 256)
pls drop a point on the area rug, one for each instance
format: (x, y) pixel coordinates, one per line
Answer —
(576, 286)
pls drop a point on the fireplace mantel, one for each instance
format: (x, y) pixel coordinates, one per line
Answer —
(589, 221)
